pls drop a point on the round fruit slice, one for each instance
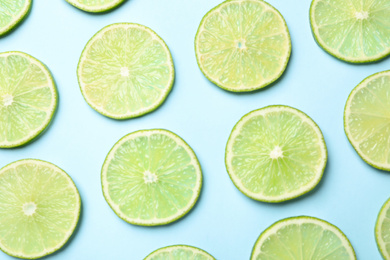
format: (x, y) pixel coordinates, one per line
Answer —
(12, 12)
(95, 6)
(275, 154)
(39, 208)
(367, 120)
(382, 230)
(125, 71)
(303, 238)
(179, 252)
(355, 31)
(151, 177)
(28, 98)
(243, 45)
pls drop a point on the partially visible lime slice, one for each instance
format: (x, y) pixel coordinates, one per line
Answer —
(39, 208)
(355, 30)
(243, 45)
(275, 154)
(179, 252)
(95, 6)
(303, 238)
(12, 12)
(367, 120)
(151, 177)
(28, 98)
(382, 230)
(125, 71)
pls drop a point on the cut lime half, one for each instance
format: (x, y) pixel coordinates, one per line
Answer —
(179, 252)
(382, 230)
(12, 12)
(275, 154)
(39, 208)
(151, 177)
(95, 6)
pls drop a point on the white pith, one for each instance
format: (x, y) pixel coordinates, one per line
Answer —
(97, 8)
(378, 230)
(170, 249)
(150, 177)
(17, 18)
(8, 99)
(125, 72)
(276, 153)
(361, 15)
(29, 208)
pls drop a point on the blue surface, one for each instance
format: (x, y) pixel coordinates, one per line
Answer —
(224, 222)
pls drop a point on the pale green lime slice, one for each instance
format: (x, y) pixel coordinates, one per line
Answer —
(275, 154)
(304, 238)
(367, 120)
(125, 71)
(243, 45)
(28, 98)
(95, 6)
(151, 177)
(382, 230)
(352, 30)
(179, 252)
(12, 12)
(39, 208)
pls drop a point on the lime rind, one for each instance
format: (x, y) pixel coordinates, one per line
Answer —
(97, 8)
(17, 19)
(378, 229)
(184, 247)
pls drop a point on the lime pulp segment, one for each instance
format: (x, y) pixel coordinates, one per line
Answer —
(95, 6)
(179, 252)
(382, 230)
(12, 12)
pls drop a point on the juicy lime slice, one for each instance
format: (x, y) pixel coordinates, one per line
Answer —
(353, 30)
(275, 154)
(179, 252)
(125, 71)
(28, 98)
(382, 230)
(367, 120)
(12, 12)
(39, 208)
(95, 6)
(303, 238)
(151, 177)
(243, 45)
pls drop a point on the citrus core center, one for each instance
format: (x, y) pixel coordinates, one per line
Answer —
(8, 100)
(150, 177)
(361, 15)
(240, 44)
(29, 208)
(125, 72)
(276, 153)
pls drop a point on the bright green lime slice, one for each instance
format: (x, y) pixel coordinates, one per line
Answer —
(243, 45)
(95, 6)
(382, 230)
(352, 30)
(367, 120)
(275, 154)
(179, 252)
(151, 177)
(39, 208)
(304, 238)
(12, 12)
(28, 98)
(125, 71)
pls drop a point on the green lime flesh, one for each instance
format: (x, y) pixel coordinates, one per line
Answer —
(12, 13)
(95, 6)
(179, 252)
(382, 230)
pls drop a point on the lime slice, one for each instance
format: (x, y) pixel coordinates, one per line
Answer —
(367, 120)
(28, 98)
(179, 252)
(95, 6)
(125, 71)
(243, 45)
(12, 12)
(151, 177)
(39, 208)
(303, 238)
(382, 230)
(275, 154)
(354, 30)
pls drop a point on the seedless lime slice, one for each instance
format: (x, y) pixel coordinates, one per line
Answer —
(367, 120)
(12, 12)
(275, 154)
(39, 208)
(302, 238)
(28, 98)
(243, 45)
(125, 71)
(352, 30)
(151, 177)
(179, 252)
(95, 6)
(382, 230)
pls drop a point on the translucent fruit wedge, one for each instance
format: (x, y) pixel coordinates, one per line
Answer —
(243, 45)
(352, 30)
(179, 252)
(12, 12)
(276, 153)
(28, 98)
(151, 177)
(303, 238)
(95, 6)
(382, 230)
(125, 71)
(39, 208)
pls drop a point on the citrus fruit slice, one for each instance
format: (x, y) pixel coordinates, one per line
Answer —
(275, 154)
(28, 98)
(367, 120)
(243, 45)
(95, 6)
(151, 177)
(39, 208)
(179, 252)
(12, 12)
(303, 238)
(125, 71)
(355, 30)
(382, 230)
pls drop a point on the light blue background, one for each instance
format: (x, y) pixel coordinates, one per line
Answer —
(224, 222)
